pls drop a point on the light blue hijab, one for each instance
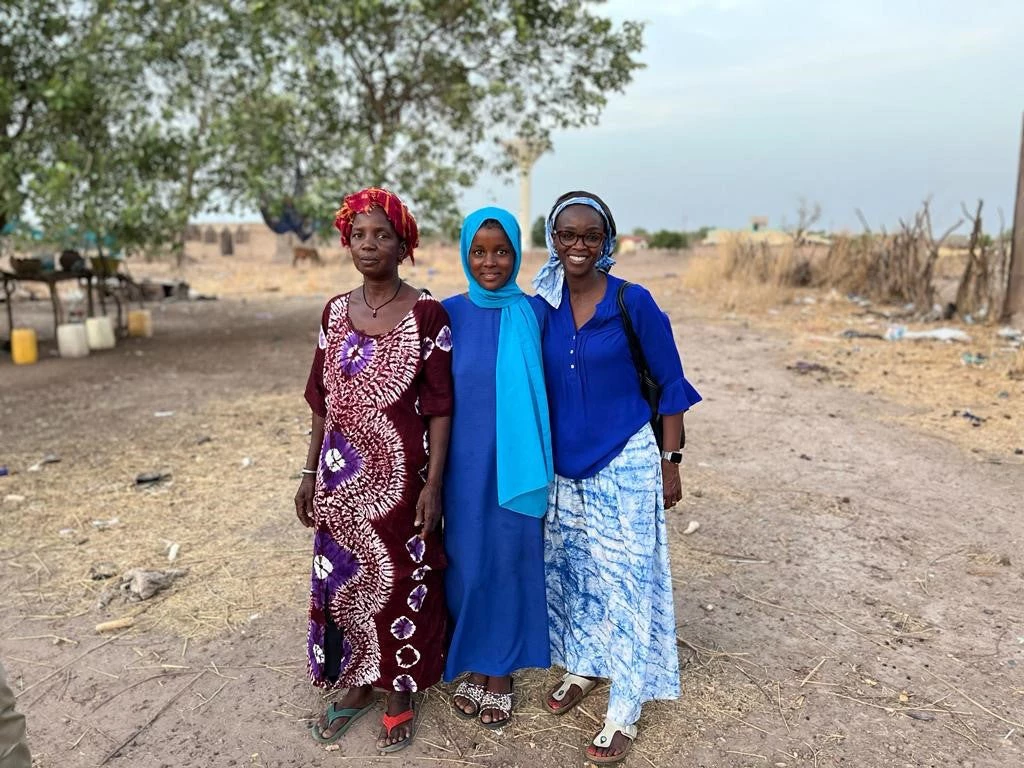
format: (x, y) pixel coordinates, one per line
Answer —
(525, 467)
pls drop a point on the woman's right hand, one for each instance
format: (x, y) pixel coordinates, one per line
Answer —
(304, 500)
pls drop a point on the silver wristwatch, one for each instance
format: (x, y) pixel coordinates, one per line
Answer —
(676, 457)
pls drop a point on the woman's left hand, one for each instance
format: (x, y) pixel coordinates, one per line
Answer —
(428, 509)
(671, 484)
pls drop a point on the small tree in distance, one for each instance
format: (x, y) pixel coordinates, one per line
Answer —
(537, 233)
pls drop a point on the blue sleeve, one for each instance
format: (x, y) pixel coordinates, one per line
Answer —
(540, 309)
(654, 330)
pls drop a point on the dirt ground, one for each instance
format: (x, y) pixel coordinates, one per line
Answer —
(853, 596)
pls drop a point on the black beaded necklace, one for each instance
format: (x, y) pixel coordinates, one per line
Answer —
(375, 309)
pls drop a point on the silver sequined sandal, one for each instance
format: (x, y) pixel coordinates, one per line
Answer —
(471, 692)
(500, 702)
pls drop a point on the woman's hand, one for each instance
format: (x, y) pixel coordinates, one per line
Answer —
(428, 509)
(304, 500)
(672, 486)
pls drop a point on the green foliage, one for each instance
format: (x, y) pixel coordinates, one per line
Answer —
(670, 240)
(537, 234)
(416, 96)
(125, 118)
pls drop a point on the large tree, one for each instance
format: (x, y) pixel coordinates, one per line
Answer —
(126, 117)
(37, 40)
(416, 95)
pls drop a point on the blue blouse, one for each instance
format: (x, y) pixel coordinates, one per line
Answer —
(593, 389)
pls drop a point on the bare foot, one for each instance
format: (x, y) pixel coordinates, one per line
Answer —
(354, 698)
(397, 703)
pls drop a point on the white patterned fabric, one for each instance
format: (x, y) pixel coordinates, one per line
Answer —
(609, 588)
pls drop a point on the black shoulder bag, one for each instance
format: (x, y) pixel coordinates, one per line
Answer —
(649, 388)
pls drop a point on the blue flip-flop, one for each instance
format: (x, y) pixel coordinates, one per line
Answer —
(335, 712)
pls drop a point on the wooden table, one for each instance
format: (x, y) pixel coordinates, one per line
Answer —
(53, 279)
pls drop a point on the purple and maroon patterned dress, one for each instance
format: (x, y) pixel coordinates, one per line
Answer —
(376, 609)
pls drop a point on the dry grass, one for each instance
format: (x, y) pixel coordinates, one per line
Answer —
(216, 510)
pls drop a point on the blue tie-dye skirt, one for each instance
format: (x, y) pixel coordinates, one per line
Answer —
(609, 589)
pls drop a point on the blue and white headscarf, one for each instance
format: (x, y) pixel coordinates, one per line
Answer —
(549, 280)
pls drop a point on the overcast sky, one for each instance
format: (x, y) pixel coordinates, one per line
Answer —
(748, 105)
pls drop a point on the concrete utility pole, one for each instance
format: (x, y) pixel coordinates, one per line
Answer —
(1013, 307)
(525, 152)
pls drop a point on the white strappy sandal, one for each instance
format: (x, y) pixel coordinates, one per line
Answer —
(603, 740)
(585, 684)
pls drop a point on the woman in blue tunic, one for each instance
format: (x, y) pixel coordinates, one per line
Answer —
(497, 477)
(606, 550)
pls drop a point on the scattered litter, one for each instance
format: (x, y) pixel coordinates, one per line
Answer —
(162, 414)
(976, 421)
(926, 716)
(900, 332)
(47, 459)
(708, 607)
(4, 471)
(852, 333)
(973, 358)
(247, 462)
(140, 584)
(13, 498)
(1011, 334)
(172, 551)
(102, 525)
(102, 571)
(860, 301)
(691, 528)
(1003, 395)
(803, 367)
(116, 624)
(255, 616)
(149, 478)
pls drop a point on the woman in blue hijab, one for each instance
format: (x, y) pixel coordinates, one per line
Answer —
(497, 476)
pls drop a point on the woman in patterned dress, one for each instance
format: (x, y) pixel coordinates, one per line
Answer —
(381, 394)
(609, 589)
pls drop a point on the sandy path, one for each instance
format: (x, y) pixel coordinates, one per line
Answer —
(848, 587)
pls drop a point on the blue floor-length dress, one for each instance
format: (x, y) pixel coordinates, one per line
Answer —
(494, 582)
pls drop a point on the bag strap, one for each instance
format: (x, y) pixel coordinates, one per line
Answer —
(635, 350)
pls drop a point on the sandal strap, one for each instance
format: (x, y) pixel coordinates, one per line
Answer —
(586, 685)
(604, 737)
(502, 702)
(473, 692)
(393, 721)
(335, 712)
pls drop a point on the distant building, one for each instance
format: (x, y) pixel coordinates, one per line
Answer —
(631, 243)
(758, 223)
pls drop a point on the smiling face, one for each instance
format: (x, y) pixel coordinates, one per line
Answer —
(491, 256)
(578, 222)
(376, 249)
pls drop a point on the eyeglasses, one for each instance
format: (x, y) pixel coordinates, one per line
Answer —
(590, 239)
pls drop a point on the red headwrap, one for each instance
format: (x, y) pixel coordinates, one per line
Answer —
(393, 207)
